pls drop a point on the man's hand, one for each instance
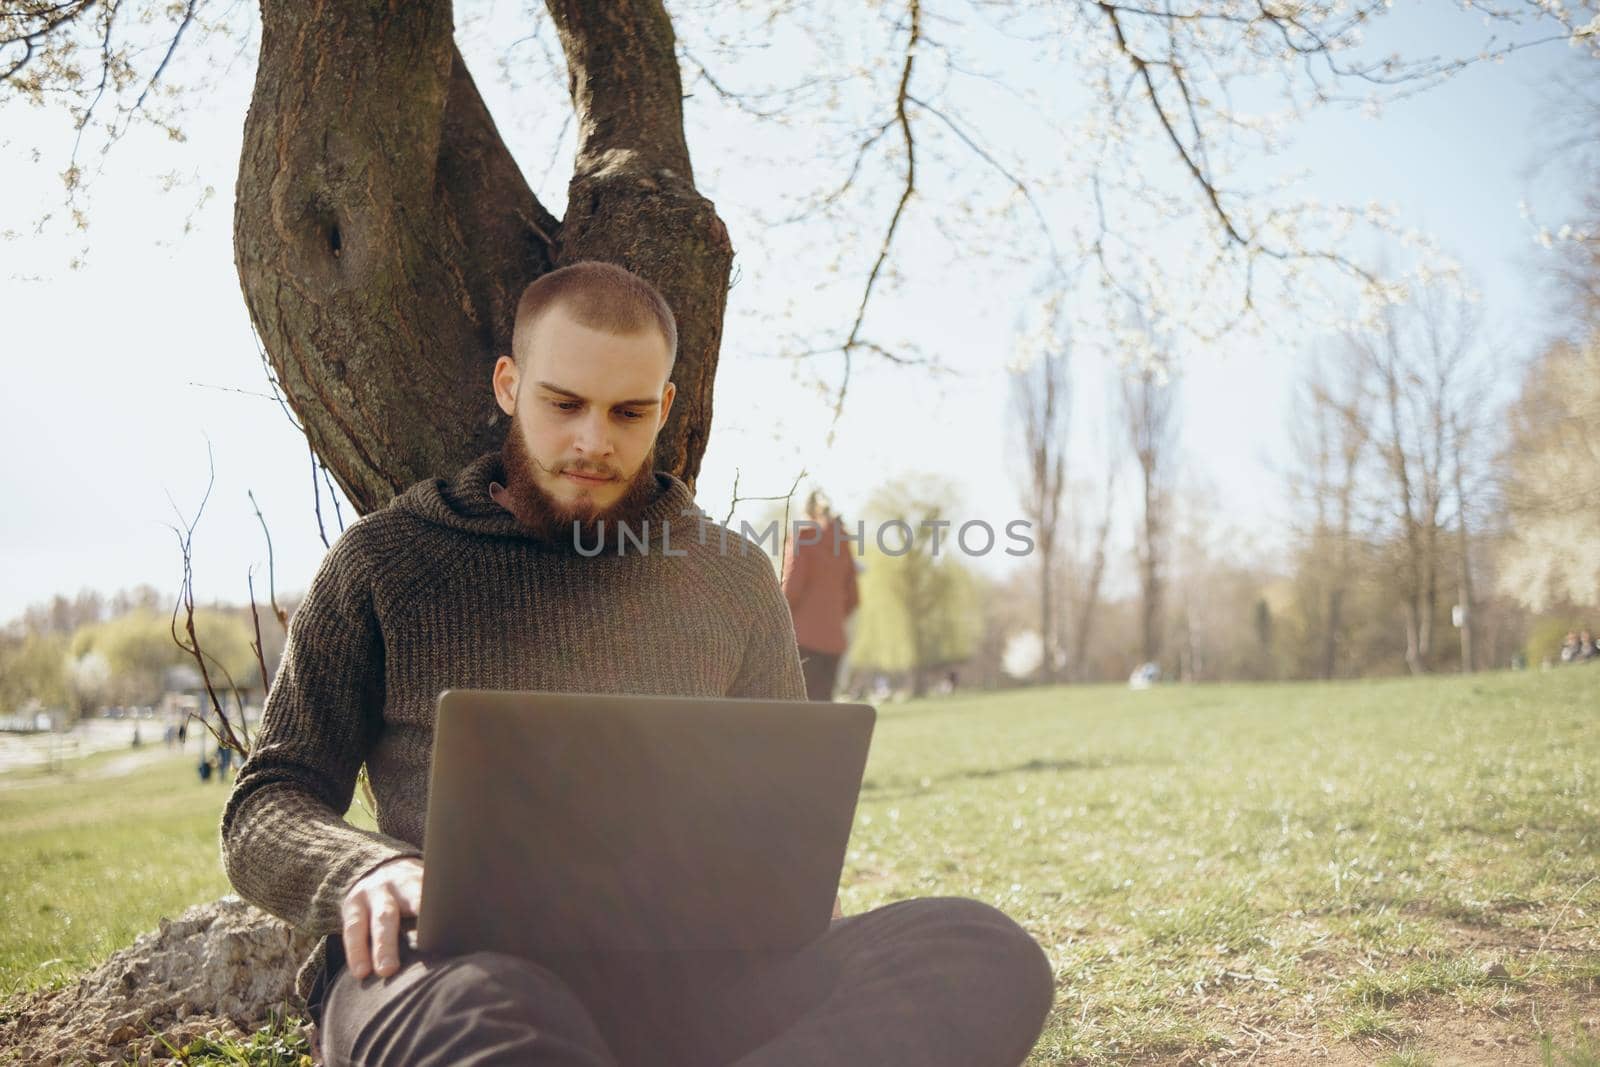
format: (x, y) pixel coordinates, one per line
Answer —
(372, 913)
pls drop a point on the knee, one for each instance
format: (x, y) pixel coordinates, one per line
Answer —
(997, 950)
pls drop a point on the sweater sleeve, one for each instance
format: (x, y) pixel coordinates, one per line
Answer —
(285, 845)
(770, 667)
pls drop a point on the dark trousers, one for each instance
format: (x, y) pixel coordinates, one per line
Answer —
(923, 983)
(821, 670)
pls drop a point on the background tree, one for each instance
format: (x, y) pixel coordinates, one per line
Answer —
(1421, 359)
(1090, 535)
(138, 650)
(1331, 441)
(1551, 475)
(1550, 467)
(1041, 396)
(1148, 416)
(33, 667)
(918, 605)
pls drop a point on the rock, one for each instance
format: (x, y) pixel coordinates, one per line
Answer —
(1496, 970)
(223, 965)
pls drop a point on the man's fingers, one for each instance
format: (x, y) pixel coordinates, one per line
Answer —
(357, 950)
(385, 933)
(410, 893)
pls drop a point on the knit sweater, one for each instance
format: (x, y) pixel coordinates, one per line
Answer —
(445, 589)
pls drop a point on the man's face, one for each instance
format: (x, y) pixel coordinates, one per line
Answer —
(587, 407)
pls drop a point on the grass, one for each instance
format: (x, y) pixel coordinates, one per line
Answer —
(1584, 1051)
(1204, 865)
(1373, 1023)
(1406, 1057)
(89, 863)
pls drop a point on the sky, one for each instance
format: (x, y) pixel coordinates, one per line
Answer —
(128, 378)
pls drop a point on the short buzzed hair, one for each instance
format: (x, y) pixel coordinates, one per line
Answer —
(601, 296)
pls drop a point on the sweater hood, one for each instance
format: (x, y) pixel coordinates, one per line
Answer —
(464, 503)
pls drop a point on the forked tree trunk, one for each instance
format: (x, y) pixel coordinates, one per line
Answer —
(383, 232)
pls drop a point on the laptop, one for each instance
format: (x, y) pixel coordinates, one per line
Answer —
(564, 825)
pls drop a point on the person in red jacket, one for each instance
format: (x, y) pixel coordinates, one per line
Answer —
(819, 582)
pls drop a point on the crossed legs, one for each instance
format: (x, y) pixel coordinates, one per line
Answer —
(941, 982)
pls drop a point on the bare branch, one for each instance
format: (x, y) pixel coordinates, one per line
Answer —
(272, 585)
(223, 731)
(902, 96)
(736, 499)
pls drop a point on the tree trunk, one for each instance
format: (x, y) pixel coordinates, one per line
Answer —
(383, 232)
(1464, 570)
(1091, 597)
(1149, 578)
(1330, 639)
(1047, 627)
(1429, 609)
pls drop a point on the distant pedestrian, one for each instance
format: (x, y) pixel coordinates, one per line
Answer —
(819, 582)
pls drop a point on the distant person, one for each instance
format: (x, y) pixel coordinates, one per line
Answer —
(224, 761)
(819, 582)
(1586, 647)
(1570, 647)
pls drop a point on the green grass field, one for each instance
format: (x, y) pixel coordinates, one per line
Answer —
(1402, 872)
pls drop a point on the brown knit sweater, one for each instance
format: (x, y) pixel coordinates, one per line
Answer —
(445, 589)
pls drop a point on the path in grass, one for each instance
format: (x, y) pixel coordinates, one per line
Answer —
(1400, 872)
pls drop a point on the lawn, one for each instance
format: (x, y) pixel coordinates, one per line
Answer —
(1402, 872)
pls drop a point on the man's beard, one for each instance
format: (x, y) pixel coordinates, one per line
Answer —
(551, 520)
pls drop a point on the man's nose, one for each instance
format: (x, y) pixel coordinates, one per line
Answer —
(594, 437)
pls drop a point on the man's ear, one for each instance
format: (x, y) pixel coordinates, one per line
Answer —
(506, 377)
(667, 394)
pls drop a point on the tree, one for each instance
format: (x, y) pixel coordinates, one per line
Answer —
(1089, 573)
(137, 650)
(1041, 396)
(1551, 478)
(1550, 469)
(33, 667)
(1331, 439)
(918, 604)
(383, 227)
(1147, 408)
(1422, 360)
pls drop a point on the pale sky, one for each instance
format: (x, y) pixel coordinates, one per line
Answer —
(117, 374)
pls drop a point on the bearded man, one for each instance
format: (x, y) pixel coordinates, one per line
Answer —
(477, 582)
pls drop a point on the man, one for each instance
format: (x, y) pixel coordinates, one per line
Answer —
(819, 582)
(479, 582)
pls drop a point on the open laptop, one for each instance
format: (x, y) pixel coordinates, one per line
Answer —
(565, 824)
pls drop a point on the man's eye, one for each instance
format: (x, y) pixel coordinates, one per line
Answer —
(567, 405)
(632, 416)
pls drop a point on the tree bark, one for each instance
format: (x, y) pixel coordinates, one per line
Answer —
(1463, 564)
(383, 232)
(1091, 591)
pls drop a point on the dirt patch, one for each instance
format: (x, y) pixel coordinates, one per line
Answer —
(221, 966)
(1446, 1031)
